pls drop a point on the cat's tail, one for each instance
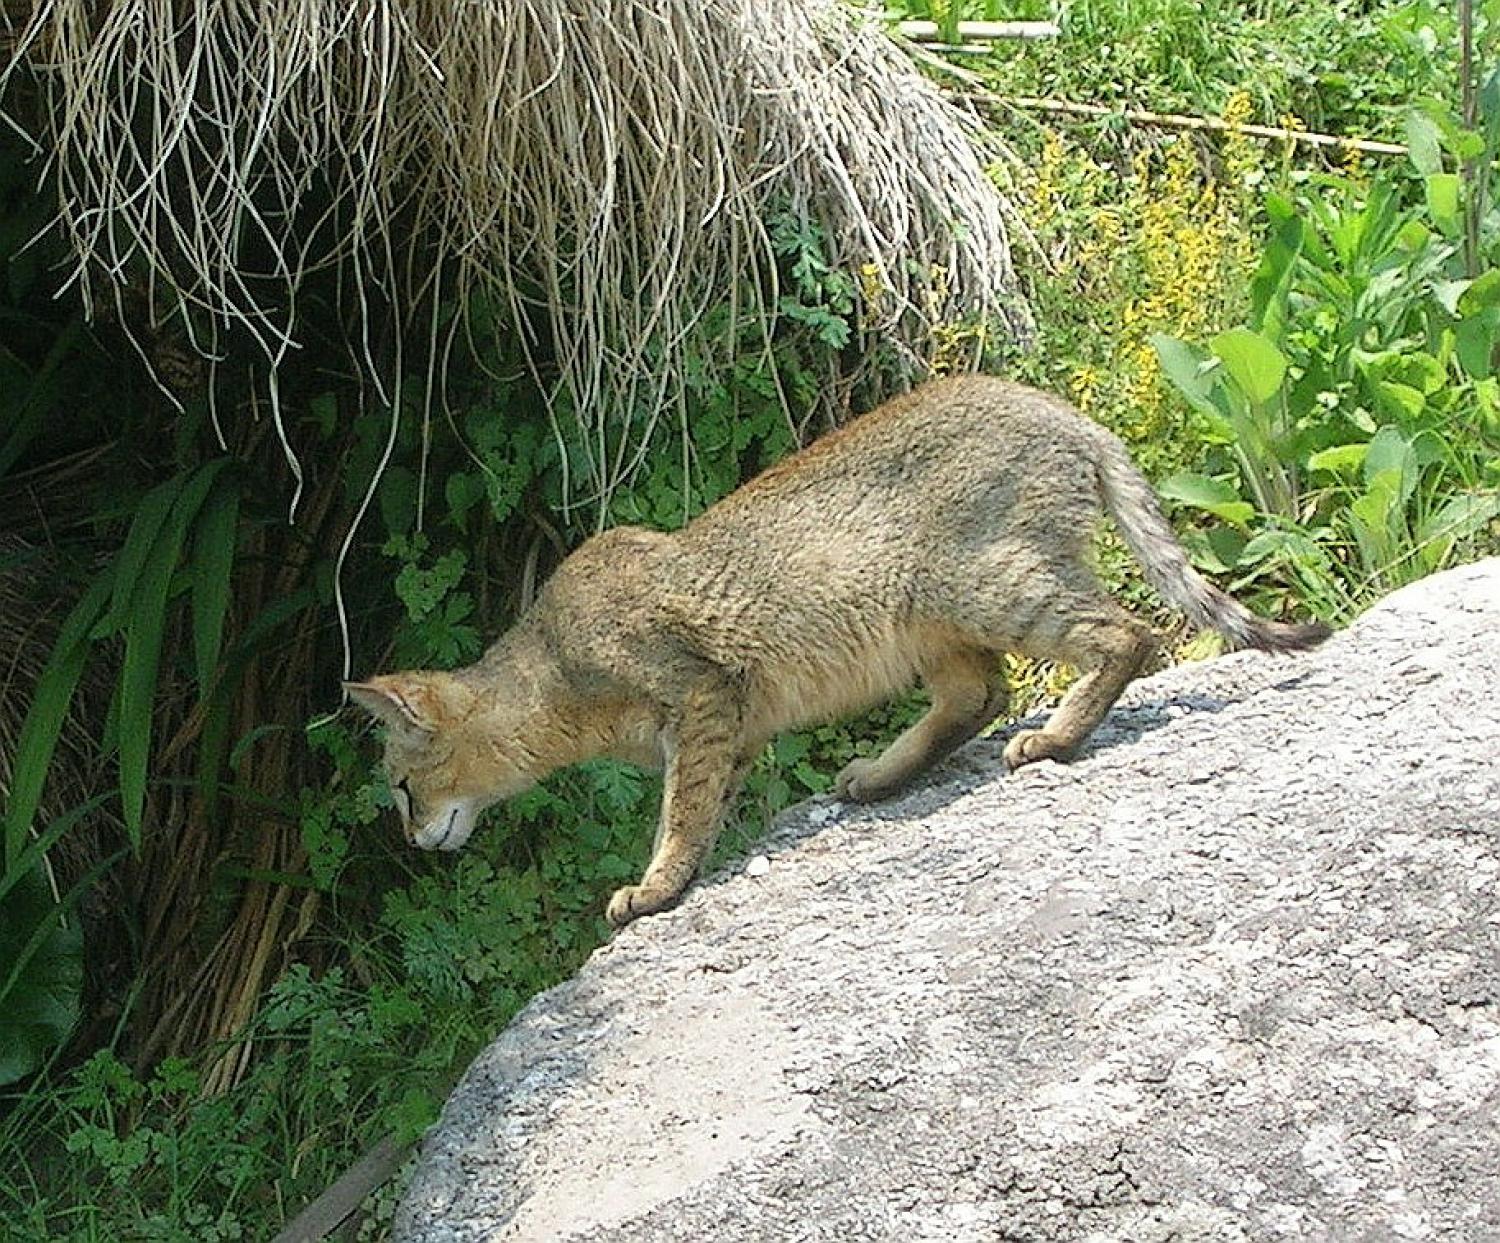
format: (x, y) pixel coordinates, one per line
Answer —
(1131, 501)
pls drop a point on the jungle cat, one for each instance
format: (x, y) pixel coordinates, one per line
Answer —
(919, 542)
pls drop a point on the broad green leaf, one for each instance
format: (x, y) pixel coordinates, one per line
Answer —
(1487, 391)
(150, 515)
(1413, 235)
(213, 561)
(1474, 341)
(137, 691)
(463, 491)
(1273, 278)
(1215, 549)
(1400, 401)
(1374, 515)
(1380, 221)
(1296, 547)
(1390, 457)
(1429, 448)
(44, 718)
(1279, 208)
(1268, 544)
(1481, 294)
(398, 499)
(1194, 374)
(1422, 372)
(1339, 459)
(144, 626)
(1345, 232)
(1226, 544)
(1255, 364)
(1389, 287)
(1448, 294)
(41, 975)
(1442, 202)
(1423, 143)
(1373, 364)
(1449, 126)
(1210, 495)
(1466, 144)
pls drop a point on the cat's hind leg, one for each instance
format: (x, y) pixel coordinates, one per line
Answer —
(1109, 648)
(968, 691)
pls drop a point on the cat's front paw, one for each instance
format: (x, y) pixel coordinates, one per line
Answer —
(1031, 745)
(633, 901)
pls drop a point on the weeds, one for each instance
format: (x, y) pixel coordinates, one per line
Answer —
(1303, 355)
(1357, 410)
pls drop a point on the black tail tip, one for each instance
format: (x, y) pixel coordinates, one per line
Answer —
(1290, 636)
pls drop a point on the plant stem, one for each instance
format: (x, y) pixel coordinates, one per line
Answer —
(1469, 169)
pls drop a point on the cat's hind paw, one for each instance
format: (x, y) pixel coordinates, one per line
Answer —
(1031, 745)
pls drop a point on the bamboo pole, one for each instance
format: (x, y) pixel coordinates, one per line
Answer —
(1173, 120)
(979, 32)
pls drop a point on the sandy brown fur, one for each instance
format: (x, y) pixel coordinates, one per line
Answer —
(919, 543)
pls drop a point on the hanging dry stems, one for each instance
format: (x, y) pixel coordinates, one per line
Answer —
(604, 169)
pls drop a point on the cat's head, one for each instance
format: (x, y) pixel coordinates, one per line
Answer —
(440, 759)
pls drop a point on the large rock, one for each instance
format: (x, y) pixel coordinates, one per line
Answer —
(1233, 974)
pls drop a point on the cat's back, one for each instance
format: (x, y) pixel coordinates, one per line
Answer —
(610, 571)
(818, 577)
(947, 447)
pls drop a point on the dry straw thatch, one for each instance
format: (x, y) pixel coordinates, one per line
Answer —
(602, 168)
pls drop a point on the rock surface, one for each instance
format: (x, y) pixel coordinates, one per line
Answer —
(1234, 974)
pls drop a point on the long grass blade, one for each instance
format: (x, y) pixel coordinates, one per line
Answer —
(143, 639)
(213, 563)
(145, 526)
(44, 720)
(43, 841)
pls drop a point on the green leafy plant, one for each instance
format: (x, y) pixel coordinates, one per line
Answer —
(1358, 407)
(823, 297)
(181, 539)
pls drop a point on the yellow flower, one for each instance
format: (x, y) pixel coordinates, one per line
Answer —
(956, 345)
(1238, 108)
(1084, 385)
(1163, 253)
(1044, 196)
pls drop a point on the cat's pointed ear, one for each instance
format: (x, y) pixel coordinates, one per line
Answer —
(408, 702)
